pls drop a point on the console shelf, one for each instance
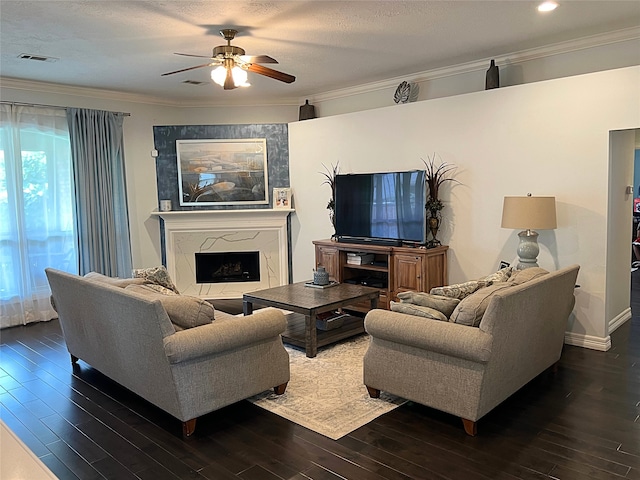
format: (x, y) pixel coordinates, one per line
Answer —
(396, 269)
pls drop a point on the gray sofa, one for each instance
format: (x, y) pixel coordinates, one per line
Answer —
(187, 373)
(466, 370)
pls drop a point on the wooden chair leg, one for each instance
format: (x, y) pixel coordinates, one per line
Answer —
(189, 427)
(470, 427)
(279, 390)
(373, 392)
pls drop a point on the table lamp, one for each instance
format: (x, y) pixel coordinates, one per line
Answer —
(529, 213)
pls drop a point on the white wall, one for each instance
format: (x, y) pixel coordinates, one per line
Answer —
(547, 138)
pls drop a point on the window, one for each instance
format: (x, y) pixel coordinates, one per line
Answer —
(36, 209)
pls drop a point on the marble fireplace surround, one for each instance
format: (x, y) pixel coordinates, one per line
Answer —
(216, 231)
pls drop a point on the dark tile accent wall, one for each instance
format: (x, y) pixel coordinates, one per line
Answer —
(277, 136)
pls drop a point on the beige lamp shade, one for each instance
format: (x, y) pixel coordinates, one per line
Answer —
(529, 213)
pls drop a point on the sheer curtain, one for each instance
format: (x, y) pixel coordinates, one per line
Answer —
(36, 210)
(101, 199)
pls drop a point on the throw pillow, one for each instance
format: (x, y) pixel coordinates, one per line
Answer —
(161, 289)
(459, 290)
(518, 277)
(115, 281)
(418, 310)
(501, 275)
(443, 304)
(183, 310)
(157, 275)
(470, 310)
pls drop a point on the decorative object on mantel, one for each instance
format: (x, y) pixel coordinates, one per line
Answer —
(330, 176)
(435, 176)
(282, 197)
(493, 77)
(406, 92)
(307, 112)
(529, 212)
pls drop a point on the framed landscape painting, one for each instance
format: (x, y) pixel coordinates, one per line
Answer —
(222, 172)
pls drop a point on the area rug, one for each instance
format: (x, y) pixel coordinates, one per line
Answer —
(326, 393)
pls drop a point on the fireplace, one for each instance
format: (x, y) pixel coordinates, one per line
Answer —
(227, 267)
(214, 234)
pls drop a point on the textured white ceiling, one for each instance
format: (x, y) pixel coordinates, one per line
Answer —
(126, 45)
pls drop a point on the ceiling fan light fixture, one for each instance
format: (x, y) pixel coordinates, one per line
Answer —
(219, 75)
(547, 6)
(239, 77)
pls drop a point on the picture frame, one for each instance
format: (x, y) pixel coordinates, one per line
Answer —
(222, 171)
(282, 197)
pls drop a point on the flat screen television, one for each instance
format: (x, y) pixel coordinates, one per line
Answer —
(381, 208)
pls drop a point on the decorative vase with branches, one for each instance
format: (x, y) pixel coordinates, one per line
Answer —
(435, 176)
(330, 179)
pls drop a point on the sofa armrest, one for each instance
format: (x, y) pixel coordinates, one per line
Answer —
(224, 335)
(452, 339)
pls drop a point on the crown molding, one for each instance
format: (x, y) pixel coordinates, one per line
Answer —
(76, 91)
(624, 35)
(58, 89)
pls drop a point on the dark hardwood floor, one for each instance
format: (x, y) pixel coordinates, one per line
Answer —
(579, 423)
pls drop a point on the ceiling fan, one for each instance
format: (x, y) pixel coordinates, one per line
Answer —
(232, 64)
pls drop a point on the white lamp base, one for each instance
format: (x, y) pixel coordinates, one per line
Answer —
(528, 249)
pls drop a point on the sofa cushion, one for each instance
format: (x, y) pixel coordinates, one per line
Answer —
(459, 290)
(158, 275)
(114, 281)
(184, 310)
(470, 310)
(518, 277)
(501, 275)
(418, 310)
(443, 304)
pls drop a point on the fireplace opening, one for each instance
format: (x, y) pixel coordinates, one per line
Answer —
(227, 267)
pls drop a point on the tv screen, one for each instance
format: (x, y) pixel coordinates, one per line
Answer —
(386, 206)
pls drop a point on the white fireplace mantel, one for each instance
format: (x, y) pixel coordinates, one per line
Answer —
(187, 232)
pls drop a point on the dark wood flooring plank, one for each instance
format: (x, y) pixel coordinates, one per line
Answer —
(84, 446)
(58, 468)
(116, 446)
(72, 461)
(30, 421)
(258, 473)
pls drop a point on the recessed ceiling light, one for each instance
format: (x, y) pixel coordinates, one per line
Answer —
(547, 6)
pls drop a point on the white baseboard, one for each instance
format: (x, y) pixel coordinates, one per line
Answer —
(619, 320)
(598, 343)
(588, 341)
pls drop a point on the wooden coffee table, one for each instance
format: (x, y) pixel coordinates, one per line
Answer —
(310, 302)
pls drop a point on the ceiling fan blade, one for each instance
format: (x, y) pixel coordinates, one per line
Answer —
(271, 73)
(187, 69)
(257, 59)
(191, 55)
(229, 84)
